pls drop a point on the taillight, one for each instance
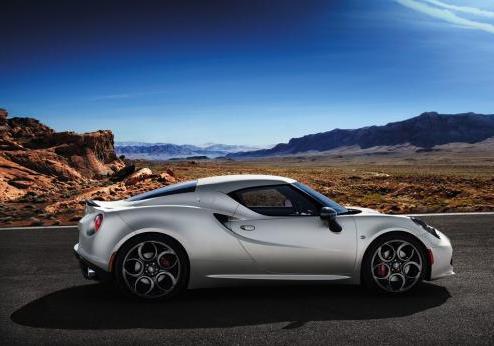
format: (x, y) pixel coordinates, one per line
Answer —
(98, 220)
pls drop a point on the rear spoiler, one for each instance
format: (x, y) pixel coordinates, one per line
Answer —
(91, 203)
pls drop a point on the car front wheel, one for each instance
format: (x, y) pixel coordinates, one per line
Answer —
(394, 264)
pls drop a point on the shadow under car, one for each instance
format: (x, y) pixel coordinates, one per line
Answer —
(100, 306)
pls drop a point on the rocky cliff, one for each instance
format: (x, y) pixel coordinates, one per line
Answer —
(34, 156)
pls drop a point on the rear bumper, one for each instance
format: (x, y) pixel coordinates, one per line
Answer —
(89, 270)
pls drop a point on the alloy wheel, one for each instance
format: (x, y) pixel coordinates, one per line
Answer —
(151, 269)
(396, 266)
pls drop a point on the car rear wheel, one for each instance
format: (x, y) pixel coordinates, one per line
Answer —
(152, 267)
(394, 264)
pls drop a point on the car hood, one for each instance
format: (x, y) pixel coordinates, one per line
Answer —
(364, 211)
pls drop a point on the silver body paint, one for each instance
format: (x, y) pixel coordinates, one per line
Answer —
(250, 247)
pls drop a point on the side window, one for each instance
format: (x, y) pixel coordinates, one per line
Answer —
(278, 200)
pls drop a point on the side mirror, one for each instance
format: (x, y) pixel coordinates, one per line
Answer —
(329, 214)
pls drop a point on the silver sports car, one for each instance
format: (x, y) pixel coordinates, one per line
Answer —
(242, 229)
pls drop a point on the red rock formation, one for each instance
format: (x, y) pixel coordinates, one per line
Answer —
(3, 117)
(45, 162)
(15, 179)
(26, 131)
(140, 175)
(30, 147)
(45, 176)
(167, 177)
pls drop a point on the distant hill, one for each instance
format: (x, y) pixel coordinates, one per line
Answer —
(166, 151)
(424, 131)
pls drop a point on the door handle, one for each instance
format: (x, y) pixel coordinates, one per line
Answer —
(247, 227)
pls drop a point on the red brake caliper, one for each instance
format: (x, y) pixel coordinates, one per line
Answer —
(381, 270)
(164, 262)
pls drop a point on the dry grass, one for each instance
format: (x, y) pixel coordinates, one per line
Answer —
(390, 188)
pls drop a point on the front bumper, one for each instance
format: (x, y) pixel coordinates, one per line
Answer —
(89, 270)
(443, 258)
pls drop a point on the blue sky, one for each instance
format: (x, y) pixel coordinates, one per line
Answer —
(243, 72)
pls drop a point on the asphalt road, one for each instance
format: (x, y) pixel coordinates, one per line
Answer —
(44, 299)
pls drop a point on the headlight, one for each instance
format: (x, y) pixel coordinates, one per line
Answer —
(426, 227)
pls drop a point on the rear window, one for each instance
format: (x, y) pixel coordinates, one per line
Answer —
(187, 186)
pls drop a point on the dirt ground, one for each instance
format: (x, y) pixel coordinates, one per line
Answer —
(392, 187)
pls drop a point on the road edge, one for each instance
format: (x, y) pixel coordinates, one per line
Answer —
(75, 226)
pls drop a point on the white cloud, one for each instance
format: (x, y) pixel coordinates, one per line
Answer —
(446, 15)
(465, 9)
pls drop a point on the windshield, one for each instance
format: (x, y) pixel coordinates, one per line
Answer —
(325, 201)
(188, 186)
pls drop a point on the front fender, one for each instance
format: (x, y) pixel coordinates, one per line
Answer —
(369, 228)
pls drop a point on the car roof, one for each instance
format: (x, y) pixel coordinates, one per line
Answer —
(228, 183)
(242, 177)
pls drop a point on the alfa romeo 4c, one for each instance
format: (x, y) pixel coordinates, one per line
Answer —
(244, 229)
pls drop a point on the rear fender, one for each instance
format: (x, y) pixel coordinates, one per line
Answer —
(133, 234)
(200, 233)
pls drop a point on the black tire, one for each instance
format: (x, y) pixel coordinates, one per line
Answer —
(180, 270)
(382, 285)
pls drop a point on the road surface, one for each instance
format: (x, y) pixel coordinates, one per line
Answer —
(44, 299)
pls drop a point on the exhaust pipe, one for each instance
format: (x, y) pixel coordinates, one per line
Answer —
(91, 274)
(87, 272)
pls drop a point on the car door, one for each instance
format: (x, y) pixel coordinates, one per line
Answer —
(284, 233)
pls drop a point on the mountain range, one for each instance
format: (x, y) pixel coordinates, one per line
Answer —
(423, 132)
(165, 151)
